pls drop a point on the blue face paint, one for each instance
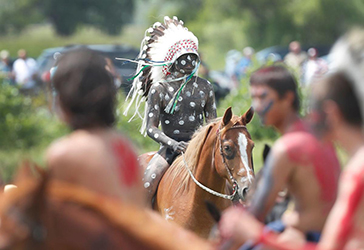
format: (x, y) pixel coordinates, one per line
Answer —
(263, 113)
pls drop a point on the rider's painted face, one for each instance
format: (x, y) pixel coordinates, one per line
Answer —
(186, 63)
(263, 100)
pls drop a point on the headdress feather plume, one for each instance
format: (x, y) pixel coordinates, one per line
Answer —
(163, 43)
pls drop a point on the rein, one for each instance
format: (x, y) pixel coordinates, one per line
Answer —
(234, 196)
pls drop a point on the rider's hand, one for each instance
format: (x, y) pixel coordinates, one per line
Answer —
(179, 146)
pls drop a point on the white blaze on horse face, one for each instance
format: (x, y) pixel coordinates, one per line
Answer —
(243, 145)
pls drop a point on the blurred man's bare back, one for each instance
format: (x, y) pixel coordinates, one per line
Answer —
(101, 160)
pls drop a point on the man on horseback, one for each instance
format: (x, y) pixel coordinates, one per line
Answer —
(176, 99)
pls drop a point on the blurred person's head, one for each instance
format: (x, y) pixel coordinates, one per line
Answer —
(22, 53)
(335, 105)
(274, 94)
(4, 55)
(248, 52)
(295, 47)
(312, 53)
(85, 89)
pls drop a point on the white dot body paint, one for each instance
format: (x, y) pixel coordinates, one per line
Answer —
(195, 85)
(211, 93)
(168, 213)
(183, 62)
(180, 98)
(171, 89)
(156, 136)
(192, 104)
(191, 118)
(188, 93)
(176, 132)
(166, 121)
(153, 91)
(243, 144)
(150, 114)
(193, 63)
(203, 103)
(181, 122)
(207, 114)
(161, 95)
(169, 143)
(153, 176)
(146, 185)
(202, 94)
(156, 107)
(188, 58)
(150, 130)
(167, 97)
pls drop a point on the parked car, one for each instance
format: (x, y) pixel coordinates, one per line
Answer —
(125, 70)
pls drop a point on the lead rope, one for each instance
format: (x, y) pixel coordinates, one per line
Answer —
(225, 196)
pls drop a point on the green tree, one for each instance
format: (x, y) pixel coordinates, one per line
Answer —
(67, 15)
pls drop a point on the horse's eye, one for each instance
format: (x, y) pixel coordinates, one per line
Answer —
(227, 148)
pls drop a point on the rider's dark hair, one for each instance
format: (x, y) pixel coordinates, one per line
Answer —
(338, 87)
(86, 89)
(279, 79)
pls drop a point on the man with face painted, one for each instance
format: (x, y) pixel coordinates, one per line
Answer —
(178, 102)
(308, 168)
(337, 110)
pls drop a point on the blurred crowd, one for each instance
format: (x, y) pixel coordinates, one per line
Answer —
(306, 65)
(22, 71)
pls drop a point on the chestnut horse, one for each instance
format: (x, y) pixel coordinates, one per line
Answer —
(218, 156)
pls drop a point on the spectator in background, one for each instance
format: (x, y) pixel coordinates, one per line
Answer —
(313, 67)
(6, 67)
(245, 62)
(232, 58)
(295, 57)
(24, 70)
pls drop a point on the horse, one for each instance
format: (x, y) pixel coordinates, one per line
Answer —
(218, 156)
(48, 214)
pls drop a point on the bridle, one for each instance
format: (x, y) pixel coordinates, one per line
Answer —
(234, 196)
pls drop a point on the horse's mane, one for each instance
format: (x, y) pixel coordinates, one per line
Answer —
(192, 156)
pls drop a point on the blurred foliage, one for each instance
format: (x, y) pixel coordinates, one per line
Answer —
(240, 102)
(26, 128)
(67, 15)
(277, 22)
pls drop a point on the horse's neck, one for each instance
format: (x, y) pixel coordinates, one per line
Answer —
(206, 172)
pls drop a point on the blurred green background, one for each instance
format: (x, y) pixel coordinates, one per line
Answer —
(27, 127)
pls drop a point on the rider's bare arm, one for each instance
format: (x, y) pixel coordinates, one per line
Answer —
(155, 104)
(210, 108)
(275, 177)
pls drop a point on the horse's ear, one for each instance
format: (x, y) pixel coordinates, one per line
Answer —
(227, 116)
(248, 116)
(28, 170)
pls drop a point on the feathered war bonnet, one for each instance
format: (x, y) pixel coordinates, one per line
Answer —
(162, 45)
(347, 55)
